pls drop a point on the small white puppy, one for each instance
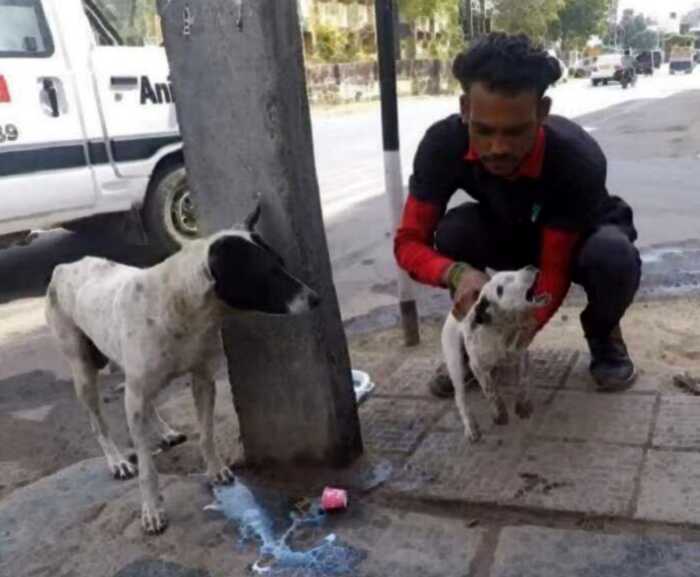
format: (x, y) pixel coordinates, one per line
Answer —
(495, 332)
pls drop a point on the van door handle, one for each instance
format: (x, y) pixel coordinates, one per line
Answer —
(123, 82)
(51, 94)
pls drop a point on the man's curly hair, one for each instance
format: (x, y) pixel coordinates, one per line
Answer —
(507, 64)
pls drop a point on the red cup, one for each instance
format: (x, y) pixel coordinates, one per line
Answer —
(334, 499)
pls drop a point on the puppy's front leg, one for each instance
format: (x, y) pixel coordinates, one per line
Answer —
(499, 412)
(452, 345)
(153, 517)
(204, 392)
(523, 403)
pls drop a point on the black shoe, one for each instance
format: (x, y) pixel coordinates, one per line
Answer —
(440, 385)
(611, 366)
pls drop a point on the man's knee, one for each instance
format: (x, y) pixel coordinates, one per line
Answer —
(458, 231)
(608, 256)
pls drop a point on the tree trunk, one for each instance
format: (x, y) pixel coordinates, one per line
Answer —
(238, 73)
(467, 21)
(482, 17)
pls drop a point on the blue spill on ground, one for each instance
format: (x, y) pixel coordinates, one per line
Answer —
(268, 519)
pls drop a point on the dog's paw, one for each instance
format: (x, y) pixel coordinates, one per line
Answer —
(153, 520)
(170, 441)
(222, 476)
(473, 435)
(123, 470)
(524, 409)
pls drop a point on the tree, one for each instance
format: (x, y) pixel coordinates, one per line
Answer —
(644, 40)
(579, 20)
(633, 25)
(531, 17)
(414, 11)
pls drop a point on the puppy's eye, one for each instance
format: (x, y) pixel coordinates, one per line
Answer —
(499, 291)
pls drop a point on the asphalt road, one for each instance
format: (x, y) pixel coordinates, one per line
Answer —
(651, 134)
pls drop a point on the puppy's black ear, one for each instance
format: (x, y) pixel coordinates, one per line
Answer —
(253, 218)
(482, 315)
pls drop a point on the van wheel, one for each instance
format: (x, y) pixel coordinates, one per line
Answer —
(169, 214)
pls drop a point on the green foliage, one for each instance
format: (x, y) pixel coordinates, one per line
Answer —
(679, 40)
(579, 20)
(633, 25)
(451, 40)
(536, 18)
(329, 43)
(644, 40)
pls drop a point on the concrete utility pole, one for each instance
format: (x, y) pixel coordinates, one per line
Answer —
(392, 157)
(237, 68)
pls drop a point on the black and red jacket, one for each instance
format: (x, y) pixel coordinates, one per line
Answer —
(559, 195)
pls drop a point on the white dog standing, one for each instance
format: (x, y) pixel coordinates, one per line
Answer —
(161, 323)
(496, 332)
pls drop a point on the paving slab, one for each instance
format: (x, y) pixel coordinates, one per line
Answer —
(446, 467)
(670, 488)
(650, 379)
(541, 399)
(625, 419)
(396, 425)
(538, 552)
(412, 377)
(549, 367)
(576, 477)
(81, 523)
(678, 422)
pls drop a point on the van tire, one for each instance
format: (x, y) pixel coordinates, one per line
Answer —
(168, 215)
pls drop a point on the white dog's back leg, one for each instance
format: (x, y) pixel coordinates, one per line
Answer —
(452, 350)
(80, 352)
(523, 402)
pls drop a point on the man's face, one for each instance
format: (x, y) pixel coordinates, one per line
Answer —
(502, 127)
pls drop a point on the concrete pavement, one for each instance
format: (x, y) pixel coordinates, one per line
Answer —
(591, 485)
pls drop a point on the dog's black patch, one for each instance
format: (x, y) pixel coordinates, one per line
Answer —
(260, 242)
(481, 313)
(250, 277)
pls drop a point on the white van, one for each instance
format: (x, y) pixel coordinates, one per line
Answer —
(87, 122)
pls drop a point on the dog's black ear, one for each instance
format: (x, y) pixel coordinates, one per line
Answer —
(482, 315)
(253, 218)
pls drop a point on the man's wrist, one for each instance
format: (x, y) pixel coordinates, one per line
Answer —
(455, 274)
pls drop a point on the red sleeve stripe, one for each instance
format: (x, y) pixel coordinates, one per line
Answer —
(558, 250)
(413, 243)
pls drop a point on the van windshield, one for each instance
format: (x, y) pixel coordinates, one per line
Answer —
(24, 32)
(124, 22)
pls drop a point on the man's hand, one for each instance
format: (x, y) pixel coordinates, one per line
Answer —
(465, 284)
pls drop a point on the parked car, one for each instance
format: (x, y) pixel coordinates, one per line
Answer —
(87, 127)
(583, 68)
(608, 68)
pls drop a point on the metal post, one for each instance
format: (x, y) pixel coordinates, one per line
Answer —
(392, 158)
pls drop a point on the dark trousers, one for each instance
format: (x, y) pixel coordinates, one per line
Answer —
(607, 264)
